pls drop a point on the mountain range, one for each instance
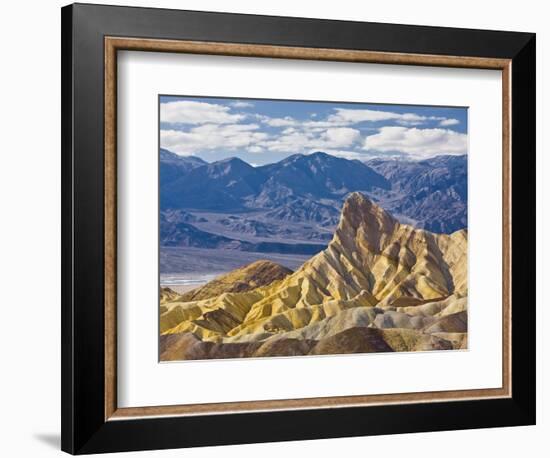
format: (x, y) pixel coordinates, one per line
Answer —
(299, 199)
(432, 194)
(380, 285)
(232, 184)
(179, 232)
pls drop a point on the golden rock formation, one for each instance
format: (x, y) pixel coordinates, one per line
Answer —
(252, 276)
(379, 286)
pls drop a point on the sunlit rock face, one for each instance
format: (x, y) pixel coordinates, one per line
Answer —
(379, 286)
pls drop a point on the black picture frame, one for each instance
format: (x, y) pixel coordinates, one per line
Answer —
(84, 428)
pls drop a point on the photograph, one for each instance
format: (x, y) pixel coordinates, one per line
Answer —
(283, 228)
(297, 228)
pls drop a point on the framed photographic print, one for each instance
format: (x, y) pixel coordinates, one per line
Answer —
(282, 228)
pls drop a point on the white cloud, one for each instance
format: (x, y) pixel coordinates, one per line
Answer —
(210, 137)
(250, 137)
(287, 121)
(294, 142)
(347, 116)
(340, 137)
(215, 126)
(255, 149)
(352, 116)
(189, 112)
(449, 122)
(324, 124)
(419, 143)
(241, 104)
(304, 141)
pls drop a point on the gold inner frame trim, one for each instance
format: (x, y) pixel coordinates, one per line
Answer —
(114, 44)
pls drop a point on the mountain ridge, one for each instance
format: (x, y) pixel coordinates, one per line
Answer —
(430, 194)
(234, 184)
(246, 278)
(406, 288)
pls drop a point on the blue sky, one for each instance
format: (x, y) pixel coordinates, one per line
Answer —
(264, 131)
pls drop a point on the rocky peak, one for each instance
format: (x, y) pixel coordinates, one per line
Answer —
(362, 217)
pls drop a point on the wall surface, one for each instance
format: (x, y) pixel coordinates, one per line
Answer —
(30, 228)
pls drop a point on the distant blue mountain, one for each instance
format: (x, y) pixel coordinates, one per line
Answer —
(232, 184)
(173, 166)
(310, 189)
(320, 175)
(222, 185)
(174, 234)
(433, 193)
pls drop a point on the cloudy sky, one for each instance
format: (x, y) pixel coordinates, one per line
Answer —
(265, 131)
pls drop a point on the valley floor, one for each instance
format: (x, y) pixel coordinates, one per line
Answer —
(188, 262)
